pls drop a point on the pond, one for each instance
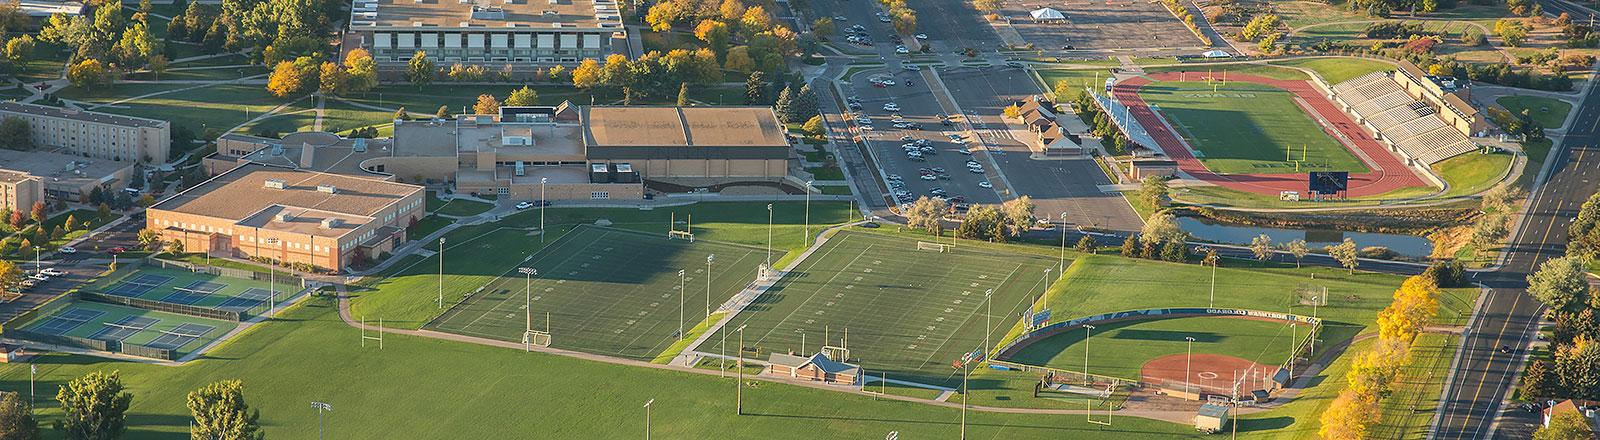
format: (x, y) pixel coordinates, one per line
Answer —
(1406, 245)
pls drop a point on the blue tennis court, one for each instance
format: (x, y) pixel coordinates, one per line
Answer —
(67, 321)
(193, 293)
(124, 328)
(249, 299)
(138, 285)
(180, 336)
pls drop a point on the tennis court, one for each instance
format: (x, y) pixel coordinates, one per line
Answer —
(607, 291)
(909, 313)
(197, 289)
(129, 325)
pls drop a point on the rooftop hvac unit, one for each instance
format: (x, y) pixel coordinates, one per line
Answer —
(283, 217)
(274, 183)
(330, 223)
(327, 189)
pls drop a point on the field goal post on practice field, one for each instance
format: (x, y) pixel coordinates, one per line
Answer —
(365, 337)
(688, 231)
(836, 353)
(536, 338)
(1310, 294)
(1092, 405)
(936, 247)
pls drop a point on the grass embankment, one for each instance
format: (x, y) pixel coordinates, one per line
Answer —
(1548, 112)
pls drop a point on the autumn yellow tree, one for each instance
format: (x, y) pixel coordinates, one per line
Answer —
(486, 105)
(1372, 373)
(1415, 304)
(1349, 417)
(587, 75)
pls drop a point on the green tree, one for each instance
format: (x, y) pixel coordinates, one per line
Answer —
(150, 238)
(88, 74)
(1260, 26)
(1130, 246)
(781, 106)
(136, 45)
(1261, 246)
(94, 406)
(420, 70)
(1299, 250)
(1173, 251)
(1152, 190)
(1566, 426)
(755, 89)
(1578, 367)
(522, 97)
(157, 65)
(804, 105)
(683, 95)
(1539, 381)
(361, 71)
(15, 134)
(175, 247)
(927, 214)
(1511, 30)
(220, 412)
(813, 126)
(1085, 244)
(104, 212)
(1017, 214)
(1162, 227)
(16, 416)
(1345, 254)
(1559, 283)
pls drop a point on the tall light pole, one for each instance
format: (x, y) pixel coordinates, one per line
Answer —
(542, 202)
(441, 272)
(36, 250)
(681, 280)
(1062, 266)
(1086, 329)
(802, 333)
(808, 213)
(709, 259)
(769, 236)
(647, 418)
(1045, 289)
(738, 386)
(527, 296)
(1311, 354)
(33, 370)
(964, 393)
(1188, 358)
(321, 408)
(1211, 259)
(988, 301)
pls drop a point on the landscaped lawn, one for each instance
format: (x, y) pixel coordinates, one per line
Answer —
(1264, 70)
(1340, 69)
(1548, 112)
(217, 107)
(456, 207)
(426, 100)
(1472, 172)
(1248, 128)
(1121, 349)
(1408, 412)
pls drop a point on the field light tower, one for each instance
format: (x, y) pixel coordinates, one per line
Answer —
(738, 387)
(647, 404)
(441, 272)
(989, 302)
(808, 213)
(542, 202)
(1086, 333)
(527, 294)
(321, 408)
(769, 236)
(709, 259)
(682, 277)
(1062, 266)
(1188, 359)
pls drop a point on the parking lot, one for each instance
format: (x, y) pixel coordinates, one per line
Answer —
(938, 166)
(1101, 25)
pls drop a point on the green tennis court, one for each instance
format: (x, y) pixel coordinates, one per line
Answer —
(128, 325)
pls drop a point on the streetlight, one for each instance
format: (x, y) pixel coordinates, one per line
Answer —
(769, 236)
(33, 370)
(527, 295)
(808, 213)
(709, 259)
(802, 333)
(681, 281)
(738, 387)
(441, 272)
(1188, 358)
(1212, 260)
(36, 250)
(542, 202)
(647, 418)
(1086, 330)
(321, 408)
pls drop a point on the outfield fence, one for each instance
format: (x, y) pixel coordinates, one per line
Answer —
(168, 307)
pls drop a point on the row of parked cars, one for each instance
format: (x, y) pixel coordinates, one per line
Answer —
(39, 277)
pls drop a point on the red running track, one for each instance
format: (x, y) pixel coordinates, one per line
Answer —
(1387, 173)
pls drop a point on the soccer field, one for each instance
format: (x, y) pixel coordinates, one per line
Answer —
(1248, 128)
(606, 291)
(909, 313)
(1120, 349)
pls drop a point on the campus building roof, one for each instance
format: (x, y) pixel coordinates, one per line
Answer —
(645, 132)
(251, 189)
(78, 115)
(487, 15)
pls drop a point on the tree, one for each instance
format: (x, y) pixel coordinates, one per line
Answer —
(136, 45)
(1152, 190)
(813, 126)
(16, 417)
(443, 112)
(94, 406)
(150, 238)
(1566, 426)
(823, 26)
(1085, 244)
(1372, 373)
(587, 75)
(157, 64)
(1511, 30)
(714, 33)
(1578, 367)
(1299, 250)
(1539, 380)
(1414, 306)
(522, 97)
(1345, 254)
(361, 71)
(617, 73)
(420, 70)
(72, 222)
(755, 88)
(1173, 251)
(1348, 417)
(662, 15)
(986, 6)
(983, 222)
(683, 95)
(18, 219)
(781, 106)
(15, 134)
(330, 79)
(88, 74)
(731, 10)
(1130, 246)
(1261, 246)
(1161, 227)
(926, 213)
(37, 212)
(755, 20)
(738, 60)
(290, 77)
(175, 246)
(10, 275)
(401, 114)
(1018, 215)
(804, 105)
(486, 105)
(1260, 26)
(220, 412)
(104, 211)
(1559, 283)
(20, 49)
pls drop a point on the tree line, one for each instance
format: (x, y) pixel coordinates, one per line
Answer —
(95, 407)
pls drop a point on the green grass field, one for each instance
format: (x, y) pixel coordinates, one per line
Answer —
(1548, 112)
(1120, 349)
(456, 207)
(217, 292)
(607, 291)
(909, 312)
(1338, 69)
(1407, 413)
(1472, 173)
(1247, 128)
(148, 332)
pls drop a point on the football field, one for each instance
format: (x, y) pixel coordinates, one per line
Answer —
(606, 291)
(909, 313)
(1248, 128)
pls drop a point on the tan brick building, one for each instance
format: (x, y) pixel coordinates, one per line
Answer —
(94, 135)
(283, 214)
(31, 176)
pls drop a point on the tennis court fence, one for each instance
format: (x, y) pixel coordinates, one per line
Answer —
(93, 344)
(181, 309)
(283, 277)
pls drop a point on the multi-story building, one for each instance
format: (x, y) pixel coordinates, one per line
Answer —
(291, 216)
(488, 31)
(32, 176)
(95, 135)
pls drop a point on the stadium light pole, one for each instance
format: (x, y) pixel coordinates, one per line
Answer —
(1062, 266)
(1187, 360)
(647, 418)
(527, 296)
(802, 333)
(988, 301)
(33, 370)
(441, 272)
(682, 277)
(36, 250)
(1086, 334)
(1213, 262)
(964, 393)
(738, 386)
(542, 202)
(808, 212)
(709, 259)
(769, 236)
(321, 408)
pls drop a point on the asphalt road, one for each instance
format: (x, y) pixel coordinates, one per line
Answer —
(1508, 316)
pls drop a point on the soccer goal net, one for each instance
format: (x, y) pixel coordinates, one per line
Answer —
(536, 338)
(931, 246)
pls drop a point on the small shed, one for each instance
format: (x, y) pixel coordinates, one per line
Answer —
(1048, 15)
(817, 367)
(1145, 167)
(1211, 418)
(12, 353)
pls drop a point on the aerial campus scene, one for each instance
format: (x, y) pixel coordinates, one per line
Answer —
(687, 219)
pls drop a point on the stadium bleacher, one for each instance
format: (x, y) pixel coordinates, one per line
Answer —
(1410, 125)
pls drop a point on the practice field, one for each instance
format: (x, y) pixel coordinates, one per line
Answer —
(607, 291)
(186, 288)
(909, 313)
(1122, 349)
(128, 325)
(1248, 128)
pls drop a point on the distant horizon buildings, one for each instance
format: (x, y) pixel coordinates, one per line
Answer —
(488, 31)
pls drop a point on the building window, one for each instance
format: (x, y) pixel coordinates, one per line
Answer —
(600, 195)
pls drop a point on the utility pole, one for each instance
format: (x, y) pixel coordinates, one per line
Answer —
(1086, 330)
(542, 202)
(964, 392)
(709, 259)
(738, 387)
(769, 236)
(321, 408)
(1188, 358)
(1062, 266)
(808, 213)
(647, 418)
(989, 302)
(441, 272)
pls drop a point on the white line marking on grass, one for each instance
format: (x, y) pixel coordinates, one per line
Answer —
(814, 292)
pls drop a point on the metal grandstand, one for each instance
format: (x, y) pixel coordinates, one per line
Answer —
(1409, 126)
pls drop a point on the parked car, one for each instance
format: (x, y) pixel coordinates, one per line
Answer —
(51, 271)
(116, 250)
(985, 184)
(524, 205)
(68, 250)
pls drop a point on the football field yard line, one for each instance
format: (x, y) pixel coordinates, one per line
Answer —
(500, 279)
(814, 292)
(686, 307)
(952, 334)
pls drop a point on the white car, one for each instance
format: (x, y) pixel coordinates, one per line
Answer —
(985, 184)
(51, 271)
(922, 36)
(840, 18)
(524, 205)
(891, 107)
(929, 177)
(901, 50)
(68, 250)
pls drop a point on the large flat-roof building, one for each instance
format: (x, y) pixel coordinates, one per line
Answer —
(31, 176)
(488, 31)
(292, 216)
(92, 134)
